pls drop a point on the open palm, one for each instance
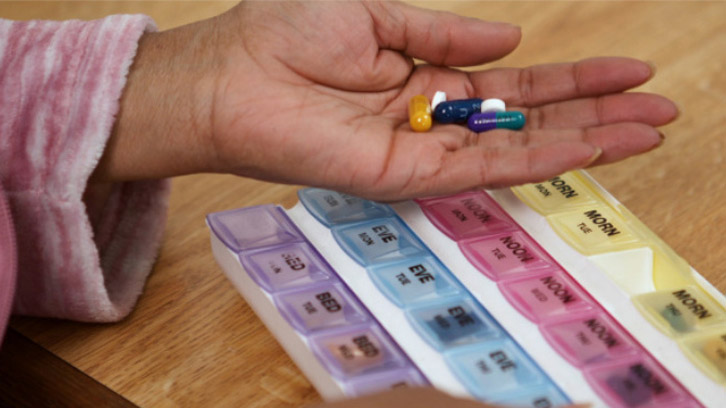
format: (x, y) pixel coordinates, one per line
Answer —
(316, 93)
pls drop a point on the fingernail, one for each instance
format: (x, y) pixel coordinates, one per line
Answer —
(653, 68)
(679, 110)
(595, 156)
(506, 24)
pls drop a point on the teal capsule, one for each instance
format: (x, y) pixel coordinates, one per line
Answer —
(481, 122)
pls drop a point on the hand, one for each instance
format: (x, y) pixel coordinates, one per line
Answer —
(316, 93)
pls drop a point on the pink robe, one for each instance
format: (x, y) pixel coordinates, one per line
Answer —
(79, 256)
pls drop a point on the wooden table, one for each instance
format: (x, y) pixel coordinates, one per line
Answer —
(193, 341)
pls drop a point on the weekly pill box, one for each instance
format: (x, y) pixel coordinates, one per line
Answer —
(540, 295)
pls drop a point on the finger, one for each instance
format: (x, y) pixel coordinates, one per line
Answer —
(617, 141)
(650, 109)
(327, 43)
(477, 167)
(441, 38)
(537, 85)
(620, 141)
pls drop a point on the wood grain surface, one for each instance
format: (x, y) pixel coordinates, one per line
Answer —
(193, 341)
(31, 376)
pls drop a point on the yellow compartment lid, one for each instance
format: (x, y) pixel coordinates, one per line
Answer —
(707, 351)
(680, 311)
(595, 229)
(670, 270)
(557, 194)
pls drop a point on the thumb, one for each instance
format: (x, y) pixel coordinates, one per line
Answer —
(441, 38)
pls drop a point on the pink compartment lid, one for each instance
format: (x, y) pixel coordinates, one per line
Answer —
(506, 255)
(589, 338)
(546, 294)
(466, 215)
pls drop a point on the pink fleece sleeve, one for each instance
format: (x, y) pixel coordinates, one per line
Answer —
(84, 252)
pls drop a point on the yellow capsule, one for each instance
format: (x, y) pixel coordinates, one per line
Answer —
(419, 113)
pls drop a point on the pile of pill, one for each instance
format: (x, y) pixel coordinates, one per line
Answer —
(480, 115)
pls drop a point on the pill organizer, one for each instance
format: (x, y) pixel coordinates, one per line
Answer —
(536, 296)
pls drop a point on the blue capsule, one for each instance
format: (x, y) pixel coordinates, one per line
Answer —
(481, 122)
(457, 111)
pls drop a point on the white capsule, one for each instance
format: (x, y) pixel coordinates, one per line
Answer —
(493, 105)
(439, 96)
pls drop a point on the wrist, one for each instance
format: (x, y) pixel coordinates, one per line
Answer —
(164, 114)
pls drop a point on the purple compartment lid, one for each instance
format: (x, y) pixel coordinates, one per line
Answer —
(253, 227)
(635, 382)
(546, 294)
(466, 215)
(589, 338)
(286, 266)
(385, 380)
(353, 351)
(320, 307)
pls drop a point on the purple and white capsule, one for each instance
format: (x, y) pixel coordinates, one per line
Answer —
(482, 122)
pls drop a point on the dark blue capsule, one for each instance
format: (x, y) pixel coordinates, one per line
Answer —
(457, 111)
